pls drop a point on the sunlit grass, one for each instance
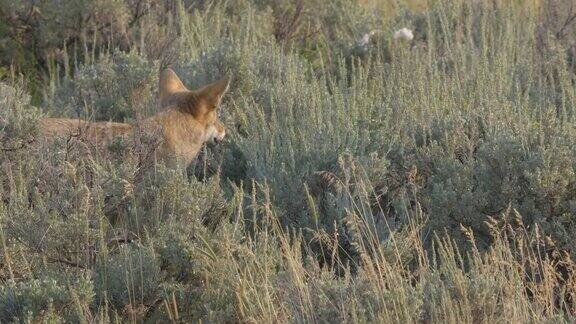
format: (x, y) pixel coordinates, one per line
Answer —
(423, 179)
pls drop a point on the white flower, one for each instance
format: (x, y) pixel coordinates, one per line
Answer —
(365, 40)
(404, 34)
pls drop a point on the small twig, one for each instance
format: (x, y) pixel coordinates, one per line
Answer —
(30, 12)
(569, 20)
(66, 262)
(38, 249)
(286, 28)
(21, 146)
(139, 13)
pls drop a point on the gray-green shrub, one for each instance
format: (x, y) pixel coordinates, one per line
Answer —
(430, 180)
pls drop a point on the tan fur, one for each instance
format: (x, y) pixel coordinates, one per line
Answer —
(188, 120)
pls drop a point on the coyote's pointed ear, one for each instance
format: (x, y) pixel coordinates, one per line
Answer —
(170, 83)
(214, 91)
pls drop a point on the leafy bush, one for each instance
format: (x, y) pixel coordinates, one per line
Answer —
(18, 118)
(363, 179)
(120, 87)
(128, 280)
(47, 299)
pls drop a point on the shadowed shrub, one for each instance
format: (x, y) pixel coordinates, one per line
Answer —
(362, 178)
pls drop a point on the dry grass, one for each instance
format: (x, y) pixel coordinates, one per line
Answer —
(416, 181)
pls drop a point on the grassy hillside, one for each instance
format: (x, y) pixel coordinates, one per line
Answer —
(364, 177)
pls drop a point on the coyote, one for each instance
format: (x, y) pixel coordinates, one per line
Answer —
(189, 119)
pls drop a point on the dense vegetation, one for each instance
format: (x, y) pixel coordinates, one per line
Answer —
(364, 178)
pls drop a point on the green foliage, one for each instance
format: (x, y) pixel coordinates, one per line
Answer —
(48, 299)
(129, 278)
(18, 118)
(363, 178)
(119, 87)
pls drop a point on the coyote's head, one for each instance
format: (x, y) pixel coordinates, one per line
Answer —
(202, 104)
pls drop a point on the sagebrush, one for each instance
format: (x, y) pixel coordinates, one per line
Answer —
(363, 179)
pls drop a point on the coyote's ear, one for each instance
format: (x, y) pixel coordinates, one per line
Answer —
(169, 84)
(214, 91)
